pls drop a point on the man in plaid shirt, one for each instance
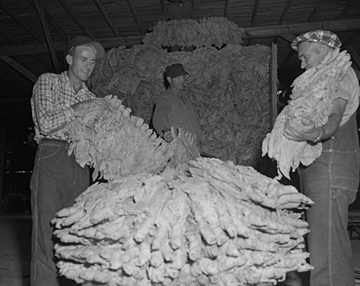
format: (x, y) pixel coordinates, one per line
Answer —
(57, 179)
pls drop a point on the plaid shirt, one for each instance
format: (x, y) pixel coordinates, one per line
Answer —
(51, 103)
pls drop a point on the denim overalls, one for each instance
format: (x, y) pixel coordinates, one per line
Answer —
(332, 183)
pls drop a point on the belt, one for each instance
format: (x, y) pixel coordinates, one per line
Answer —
(54, 142)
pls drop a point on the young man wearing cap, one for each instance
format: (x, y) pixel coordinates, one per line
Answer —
(332, 180)
(57, 179)
(173, 107)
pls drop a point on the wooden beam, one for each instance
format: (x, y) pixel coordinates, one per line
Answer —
(47, 34)
(75, 17)
(354, 55)
(2, 160)
(106, 17)
(283, 14)
(299, 28)
(314, 12)
(51, 22)
(250, 32)
(351, 39)
(253, 19)
(9, 36)
(226, 8)
(346, 9)
(19, 20)
(21, 80)
(288, 37)
(60, 46)
(273, 87)
(194, 6)
(134, 14)
(254, 13)
(162, 5)
(19, 68)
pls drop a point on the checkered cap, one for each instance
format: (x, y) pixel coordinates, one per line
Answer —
(319, 36)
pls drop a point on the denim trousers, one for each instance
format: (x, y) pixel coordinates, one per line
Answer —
(56, 182)
(332, 183)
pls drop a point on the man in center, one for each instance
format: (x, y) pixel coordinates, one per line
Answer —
(173, 107)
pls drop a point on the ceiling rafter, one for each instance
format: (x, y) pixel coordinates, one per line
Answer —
(19, 68)
(346, 9)
(351, 39)
(254, 12)
(226, 8)
(194, 5)
(51, 21)
(286, 9)
(354, 55)
(250, 32)
(315, 11)
(15, 41)
(287, 37)
(136, 18)
(10, 37)
(162, 5)
(66, 5)
(19, 20)
(47, 34)
(106, 17)
(253, 17)
(283, 14)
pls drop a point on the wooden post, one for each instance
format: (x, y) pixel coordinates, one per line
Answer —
(273, 86)
(2, 160)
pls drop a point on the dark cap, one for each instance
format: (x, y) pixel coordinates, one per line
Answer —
(85, 41)
(175, 70)
(319, 36)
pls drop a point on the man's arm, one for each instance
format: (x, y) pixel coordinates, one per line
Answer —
(310, 133)
(161, 116)
(49, 117)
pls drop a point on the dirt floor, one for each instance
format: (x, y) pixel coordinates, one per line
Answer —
(15, 238)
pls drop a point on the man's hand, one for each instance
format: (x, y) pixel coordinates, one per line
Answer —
(305, 131)
(83, 107)
(167, 136)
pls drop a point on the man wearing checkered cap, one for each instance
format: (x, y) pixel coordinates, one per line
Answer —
(332, 180)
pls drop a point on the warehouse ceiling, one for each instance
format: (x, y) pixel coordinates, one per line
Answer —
(34, 32)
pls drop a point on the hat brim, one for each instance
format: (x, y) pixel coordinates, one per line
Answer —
(100, 51)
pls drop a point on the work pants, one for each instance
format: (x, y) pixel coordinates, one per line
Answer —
(56, 182)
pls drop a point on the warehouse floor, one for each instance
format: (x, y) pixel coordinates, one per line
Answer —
(15, 237)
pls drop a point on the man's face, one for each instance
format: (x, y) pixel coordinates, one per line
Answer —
(82, 63)
(178, 82)
(310, 55)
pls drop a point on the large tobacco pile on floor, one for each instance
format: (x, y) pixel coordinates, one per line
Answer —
(228, 86)
(206, 223)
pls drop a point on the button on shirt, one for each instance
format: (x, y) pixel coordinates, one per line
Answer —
(51, 103)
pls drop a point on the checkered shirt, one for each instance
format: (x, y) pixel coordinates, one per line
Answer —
(51, 104)
(319, 36)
